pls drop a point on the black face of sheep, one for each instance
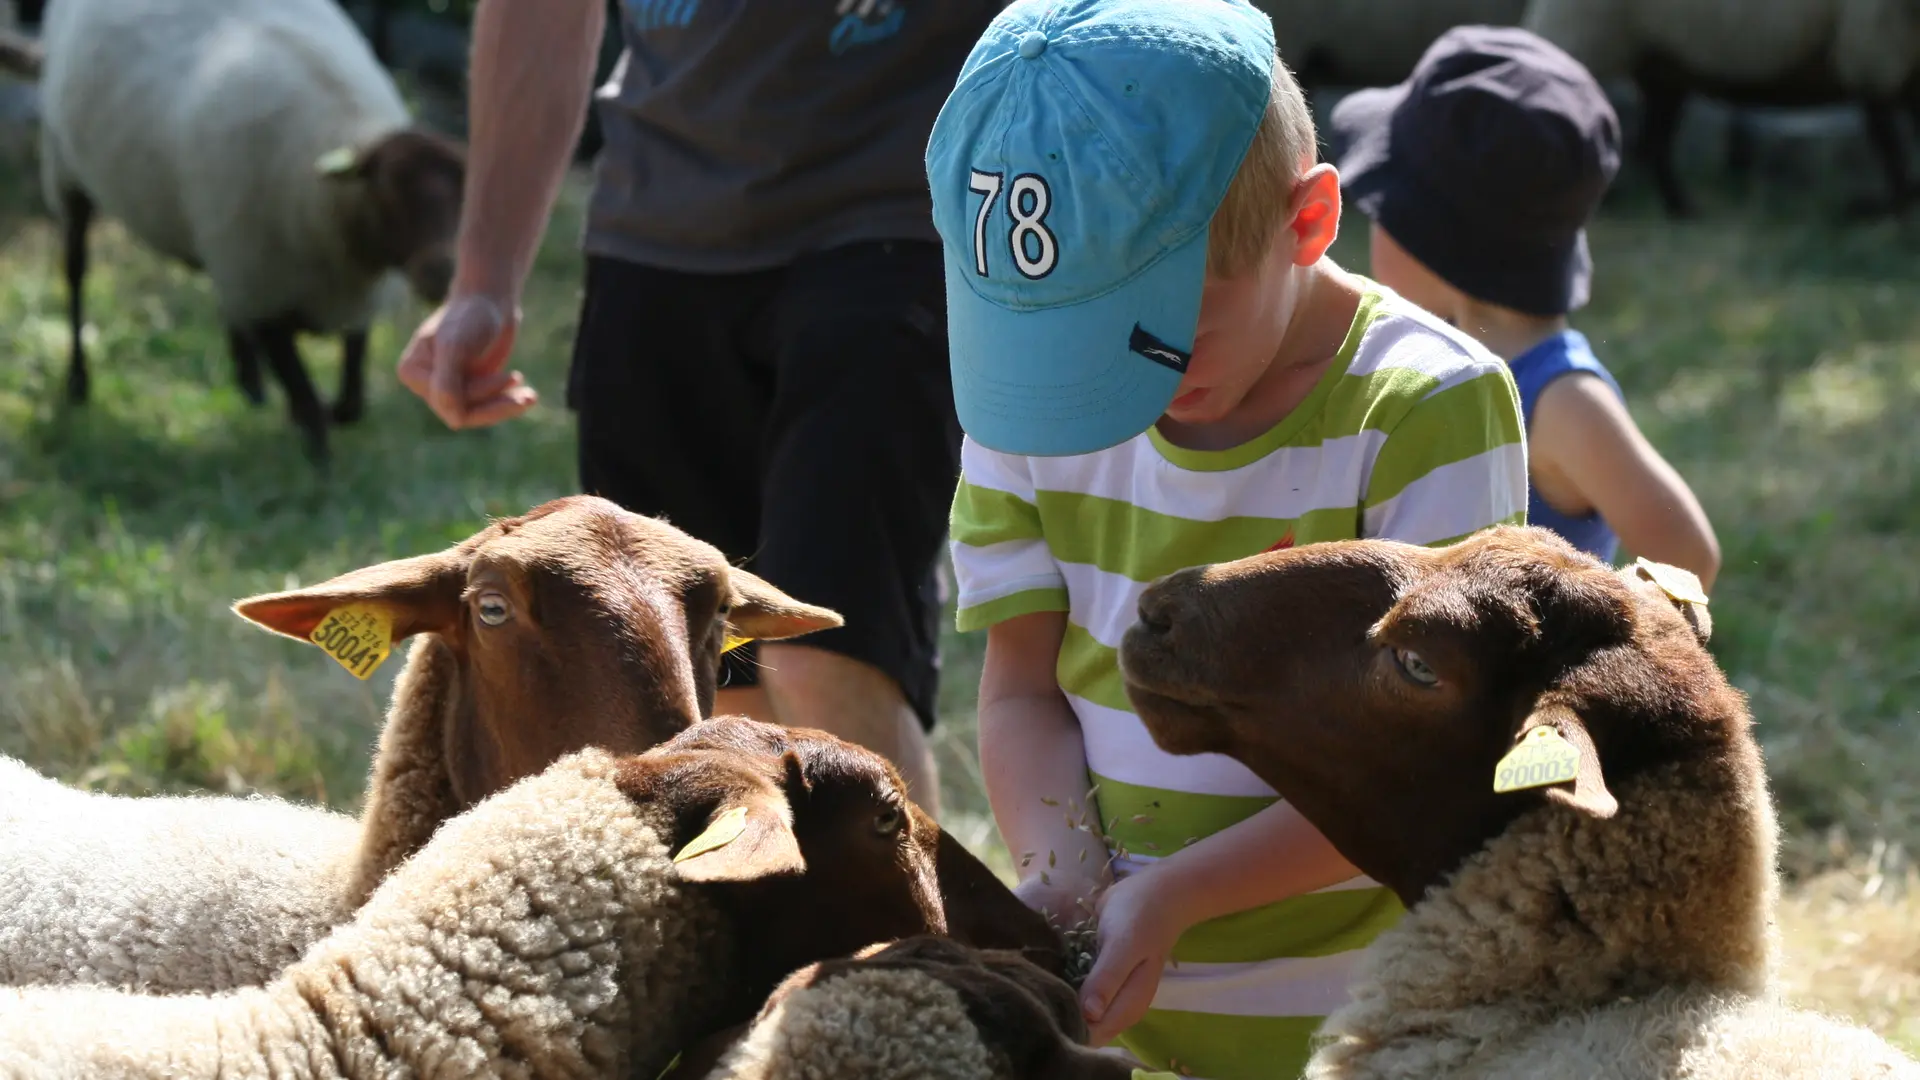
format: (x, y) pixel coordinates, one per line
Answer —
(852, 822)
(605, 625)
(414, 182)
(1378, 685)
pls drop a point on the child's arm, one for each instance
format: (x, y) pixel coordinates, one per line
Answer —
(1269, 857)
(1584, 434)
(1034, 763)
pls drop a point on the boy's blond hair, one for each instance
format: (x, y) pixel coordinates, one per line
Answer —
(1284, 146)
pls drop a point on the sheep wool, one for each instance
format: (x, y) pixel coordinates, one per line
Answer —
(1372, 42)
(1871, 46)
(141, 101)
(864, 1025)
(1660, 914)
(165, 892)
(542, 933)
(182, 893)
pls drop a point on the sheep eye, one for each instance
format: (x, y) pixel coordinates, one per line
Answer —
(888, 822)
(493, 609)
(1415, 668)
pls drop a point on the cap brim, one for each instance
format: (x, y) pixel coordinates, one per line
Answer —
(1057, 381)
(1361, 128)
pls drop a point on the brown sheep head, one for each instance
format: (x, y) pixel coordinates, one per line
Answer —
(1029, 1020)
(1378, 685)
(576, 624)
(858, 864)
(407, 188)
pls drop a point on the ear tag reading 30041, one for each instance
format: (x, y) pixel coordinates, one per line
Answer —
(1542, 758)
(719, 834)
(359, 636)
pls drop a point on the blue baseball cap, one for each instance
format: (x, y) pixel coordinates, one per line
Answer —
(1075, 169)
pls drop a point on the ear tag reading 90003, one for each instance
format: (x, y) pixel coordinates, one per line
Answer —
(1542, 758)
(719, 834)
(359, 636)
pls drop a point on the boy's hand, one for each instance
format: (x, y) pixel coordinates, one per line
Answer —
(1139, 924)
(1068, 898)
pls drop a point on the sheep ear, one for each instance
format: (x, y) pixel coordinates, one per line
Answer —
(1679, 586)
(1553, 750)
(414, 595)
(762, 611)
(745, 839)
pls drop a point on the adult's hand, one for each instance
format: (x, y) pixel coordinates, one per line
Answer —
(456, 363)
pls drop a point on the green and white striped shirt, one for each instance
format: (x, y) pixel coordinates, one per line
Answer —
(1413, 434)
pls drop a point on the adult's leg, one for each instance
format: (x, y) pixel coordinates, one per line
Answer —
(861, 456)
(670, 414)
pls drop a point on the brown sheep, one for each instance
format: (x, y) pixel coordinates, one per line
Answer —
(924, 1008)
(577, 624)
(1608, 917)
(586, 921)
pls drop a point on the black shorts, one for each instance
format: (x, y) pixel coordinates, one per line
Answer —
(800, 420)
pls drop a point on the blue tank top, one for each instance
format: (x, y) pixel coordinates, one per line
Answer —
(1562, 354)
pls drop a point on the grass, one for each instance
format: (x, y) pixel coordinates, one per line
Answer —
(1772, 357)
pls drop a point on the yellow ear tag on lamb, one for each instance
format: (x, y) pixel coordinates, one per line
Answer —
(719, 834)
(1542, 758)
(733, 643)
(359, 636)
(335, 161)
(1677, 583)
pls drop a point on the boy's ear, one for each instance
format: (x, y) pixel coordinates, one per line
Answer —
(1313, 213)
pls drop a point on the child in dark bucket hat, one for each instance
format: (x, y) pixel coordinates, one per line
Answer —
(1480, 173)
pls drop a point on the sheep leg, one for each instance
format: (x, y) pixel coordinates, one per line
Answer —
(246, 362)
(1883, 134)
(1664, 103)
(283, 358)
(352, 402)
(77, 212)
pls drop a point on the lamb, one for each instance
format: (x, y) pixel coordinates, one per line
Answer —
(260, 142)
(1539, 756)
(583, 922)
(923, 1008)
(1778, 53)
(576, 624)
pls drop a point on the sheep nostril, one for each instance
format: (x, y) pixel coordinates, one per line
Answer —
(1155, 614)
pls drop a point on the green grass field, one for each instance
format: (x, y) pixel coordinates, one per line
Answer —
(1774, 359)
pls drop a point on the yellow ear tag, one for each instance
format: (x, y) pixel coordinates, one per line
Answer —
(1675, 582)
(1542, 758)
(722, 832)
(733, 643)
(335, 161)
(359, 636)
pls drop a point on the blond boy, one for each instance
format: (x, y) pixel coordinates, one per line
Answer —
(1158, 367)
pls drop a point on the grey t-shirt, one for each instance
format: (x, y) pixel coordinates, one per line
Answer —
(742, 133)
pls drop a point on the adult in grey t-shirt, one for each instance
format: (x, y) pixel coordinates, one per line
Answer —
(761, 356)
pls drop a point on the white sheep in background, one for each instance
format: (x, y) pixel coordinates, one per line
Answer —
(259, 141)
(215, 892)
(1370, 42)
(1749, 52)
(1539, 756)
(588, 921)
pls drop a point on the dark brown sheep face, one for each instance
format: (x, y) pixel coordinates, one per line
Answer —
(1377, 685)
(867, 875)
(412, 183)
(577, 624)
